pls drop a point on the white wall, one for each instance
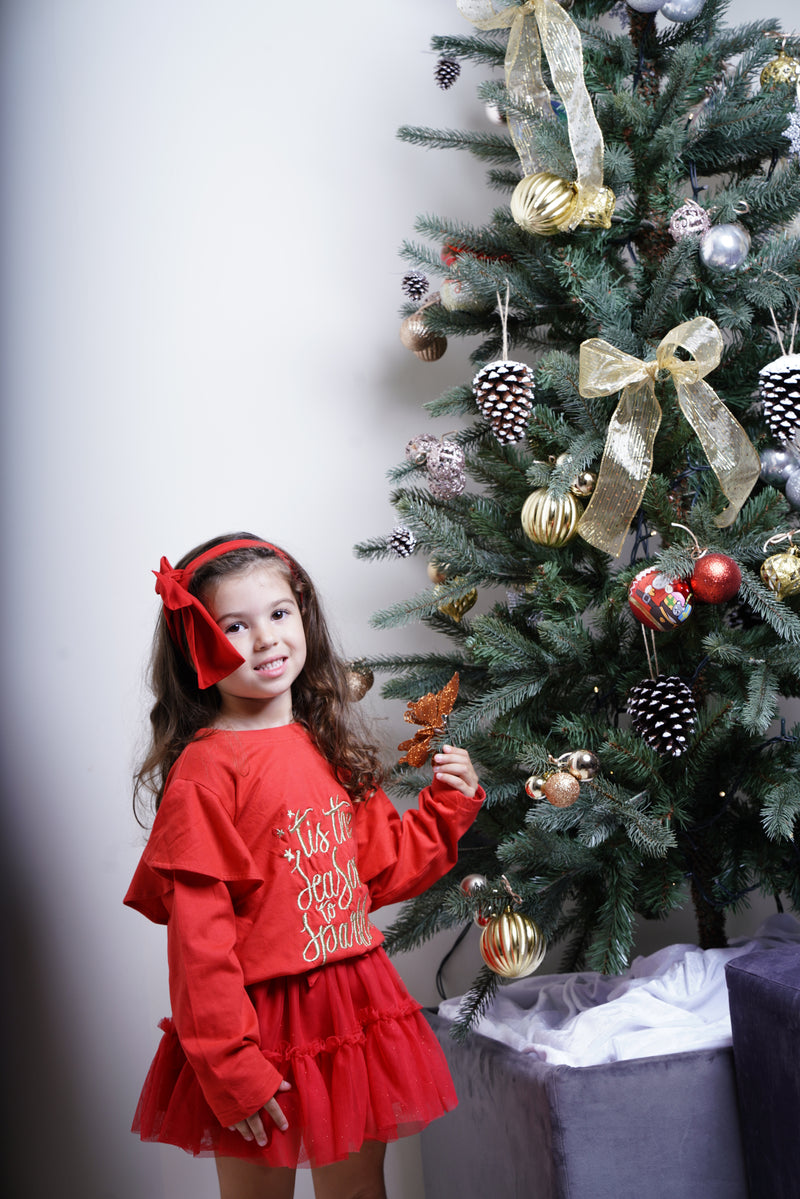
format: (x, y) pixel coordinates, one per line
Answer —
(201, 204)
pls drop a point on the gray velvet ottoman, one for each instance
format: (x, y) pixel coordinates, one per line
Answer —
(764, 993)
(652, 1128)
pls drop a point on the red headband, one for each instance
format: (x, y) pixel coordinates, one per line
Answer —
(210, 651)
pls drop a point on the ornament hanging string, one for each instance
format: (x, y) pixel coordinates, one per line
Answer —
(776, 537)
(776, 327)
(628, 453)
(534, 26)
(503, 310)
(647, 648)
(516, 899)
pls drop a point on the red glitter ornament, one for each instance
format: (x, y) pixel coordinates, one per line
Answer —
(658, 601)
(716, 578)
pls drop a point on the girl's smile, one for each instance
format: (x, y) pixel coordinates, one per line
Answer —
(259, 614)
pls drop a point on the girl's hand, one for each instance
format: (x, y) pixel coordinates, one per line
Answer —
(453, 767)
(252, 1129)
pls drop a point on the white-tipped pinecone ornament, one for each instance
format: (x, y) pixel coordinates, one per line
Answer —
(504, 395)
(446, 71)
(415, 285)
(779, 388)
(402, 541)
(663, 713)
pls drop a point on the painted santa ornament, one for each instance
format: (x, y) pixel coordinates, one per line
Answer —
(658, 601)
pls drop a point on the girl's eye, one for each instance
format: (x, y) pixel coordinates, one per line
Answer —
(235, 627)
(279, 614)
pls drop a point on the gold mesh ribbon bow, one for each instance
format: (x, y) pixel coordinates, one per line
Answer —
(628, 454)
(533, 26)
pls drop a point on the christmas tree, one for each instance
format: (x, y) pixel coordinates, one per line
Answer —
(616, 493)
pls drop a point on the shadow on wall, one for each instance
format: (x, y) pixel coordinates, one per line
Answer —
(47, 1143)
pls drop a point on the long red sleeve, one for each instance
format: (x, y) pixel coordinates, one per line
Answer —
(213, 1016)
(401, 856)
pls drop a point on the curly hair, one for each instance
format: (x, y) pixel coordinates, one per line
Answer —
(321, 699)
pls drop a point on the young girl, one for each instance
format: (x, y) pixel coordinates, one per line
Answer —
(293, 1039)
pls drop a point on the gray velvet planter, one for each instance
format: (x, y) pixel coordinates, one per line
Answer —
(652, 1128)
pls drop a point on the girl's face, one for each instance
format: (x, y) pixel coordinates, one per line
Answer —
(258, 613)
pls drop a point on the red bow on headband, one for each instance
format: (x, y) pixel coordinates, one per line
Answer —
(210, 651)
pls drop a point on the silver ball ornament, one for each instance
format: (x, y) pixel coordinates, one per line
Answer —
(777, 464)
(645, 5)
(473, 882)
(793, 489)
(682, 10)
(725, 247)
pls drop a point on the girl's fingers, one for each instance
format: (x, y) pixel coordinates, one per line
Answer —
(252, 1129)
(276, 1115)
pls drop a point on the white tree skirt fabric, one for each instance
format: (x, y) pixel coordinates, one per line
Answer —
(668, 1002)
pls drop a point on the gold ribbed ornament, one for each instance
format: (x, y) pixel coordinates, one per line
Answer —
(781, 573)
(543, 203)
(782, 70)
(550, 519)
(511, 945)
(415, 335)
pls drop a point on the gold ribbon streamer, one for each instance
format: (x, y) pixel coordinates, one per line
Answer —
(628, 454)
(534, 25)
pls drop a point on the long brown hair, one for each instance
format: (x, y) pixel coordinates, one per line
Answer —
(321, 699)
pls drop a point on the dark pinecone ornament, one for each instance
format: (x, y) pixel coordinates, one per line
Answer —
(402, 541)
(446, 71)
(663, 713)
(779, 388)
(504, 395)
(415, 285)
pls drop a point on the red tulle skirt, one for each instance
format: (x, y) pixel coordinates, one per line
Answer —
(362, 1062)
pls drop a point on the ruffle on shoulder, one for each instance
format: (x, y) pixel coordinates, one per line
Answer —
(194, 839)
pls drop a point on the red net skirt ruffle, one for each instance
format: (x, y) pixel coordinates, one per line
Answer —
(362, 1062)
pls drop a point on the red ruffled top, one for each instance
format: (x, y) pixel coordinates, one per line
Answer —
(261, 866)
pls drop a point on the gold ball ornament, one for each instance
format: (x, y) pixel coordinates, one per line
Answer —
(415, 335)
(549, 519)
(781, 70)
(543, 203)
(581, 763)
(534, 786)
(460, 296)
(437, 573)
(562, 789)
(781, 573)
(585, 483)
(359, 680)
(512, 945)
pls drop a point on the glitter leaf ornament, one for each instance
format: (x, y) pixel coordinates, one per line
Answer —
(431, 712)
